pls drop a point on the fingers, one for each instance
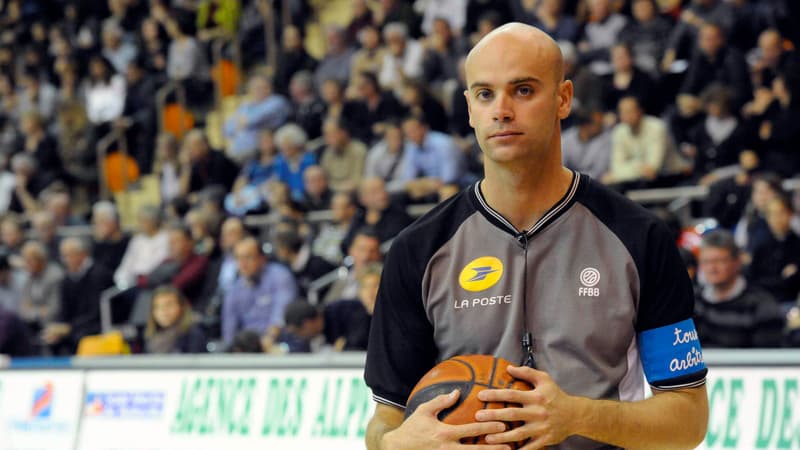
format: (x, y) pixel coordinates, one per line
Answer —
(477, 429)
(481, 447)
(440, 402)
(531, 413)
(505, 395)
(528, 374)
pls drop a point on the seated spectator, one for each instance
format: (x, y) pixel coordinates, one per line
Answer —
(248, 341)
(769, 58)
(328, 242)
(59, 203)
(43, 229)
(647, 35)
(246, 197)
(147, 249)
(718, 140)
(139, 119)
(599, 34)
(29, 184)
(232, 231)
(443, 48)
(370, 57)
(293, 159)
(36, 96)
(728, 195)
(684, 33)
(118, 52)
(752, 228)
(361, 17)
(292, 58)
(316, 192)
(105, 95)
(627, 80)
(432, 159)
(550, 18)
(303, 332)
(337, 106)
(714, 62)
(206, 167)
(309, 109)
(11, 283)
(380, 211)
(184, 269)
(79, 314)
(259, 297)
(365, 248)
(186, 60)
(40, 145)
(417, 101)
(403, 59)
(335, 64)
(641, 148)
(261, 109)
(202, 226)
(347, 322)
(15, 339)
(776, 259)
(109, 241)
(384, 159)
(342, 157)
(171, 326)
(378, 105)
(168, 167)
(12, 237)
(586, 147)
(729, 312)
(41, 295)
(291, 249)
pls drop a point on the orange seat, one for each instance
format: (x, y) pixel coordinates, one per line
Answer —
(115, 166)
(103, 345)
(172, 115)
(227, 77)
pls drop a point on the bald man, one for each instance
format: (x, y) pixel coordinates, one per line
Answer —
(546, 268)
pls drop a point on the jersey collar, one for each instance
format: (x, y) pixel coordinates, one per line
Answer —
(553, 213)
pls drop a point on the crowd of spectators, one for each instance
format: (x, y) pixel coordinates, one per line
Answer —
(667, 93)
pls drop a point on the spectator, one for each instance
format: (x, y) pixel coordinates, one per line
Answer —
(139, 115)
(336, 62)
(109, 241)
(328, 242)
(417, 101)
(363, 249)
(316, 192)
(171, 327)
(293, 160)
(41, 297)
(44, 230)
(647, 35)
(308, 108)
(232, 231)
(443, 49)
(685, 32)
(587, 87)
(769, 58)
(432, 159)
(586, 147)
(59, 203)
(303, 330)
(118, 52)
(628, 80)
(380, 213)
(353, 113)
(248, 342)
(305, 266)
(729, 312)
(201, 225)
(292, 59)
(370, 57)
(167, 167)
(11, 283)
(40, 145)
(262, 109)
(347, 322)
(714, 62)
(202, 166)
(147, 249)
(152, 47)
(728, 196)
(75, 150)
(599, 34)
(641, 149)
(15, 339)
(246, 197)
(186, 60)
(384, 158)
(403, 59)
(752, 228)
(550, 18)
(380, 106)
(454, 13)
(217, 18)
(79, 314)
(397, 11)
(105, 95)
(342, 157)
(776, 259)
(36, 95)
(258, 299)
(12, 237)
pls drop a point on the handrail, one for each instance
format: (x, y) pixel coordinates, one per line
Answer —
(666, 195)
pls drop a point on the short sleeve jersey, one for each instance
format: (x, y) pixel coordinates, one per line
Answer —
(606, 297)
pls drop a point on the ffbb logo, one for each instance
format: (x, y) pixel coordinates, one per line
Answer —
(481, 274)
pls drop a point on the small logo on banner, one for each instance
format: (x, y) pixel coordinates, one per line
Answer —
(42, 402)
(589, 278)
(123, 404)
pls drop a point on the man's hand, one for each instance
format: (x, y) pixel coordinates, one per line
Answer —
(54, 332)
(548, 412)
(423, 430)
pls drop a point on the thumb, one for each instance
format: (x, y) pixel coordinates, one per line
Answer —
(528, 374)
(440, 402)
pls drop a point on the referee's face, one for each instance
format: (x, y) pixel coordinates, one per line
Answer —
(516, 95)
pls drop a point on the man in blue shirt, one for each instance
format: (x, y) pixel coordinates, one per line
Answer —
(262, 109)
(431, 161)
(259, 297)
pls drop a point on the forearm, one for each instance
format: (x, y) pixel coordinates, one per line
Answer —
(385, 420)
(674, 419)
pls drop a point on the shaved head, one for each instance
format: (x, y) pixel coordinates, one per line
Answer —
(538, 44)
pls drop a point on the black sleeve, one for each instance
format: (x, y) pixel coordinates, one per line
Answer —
(401, 346)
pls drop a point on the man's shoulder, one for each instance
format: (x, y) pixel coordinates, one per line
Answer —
(434, 228)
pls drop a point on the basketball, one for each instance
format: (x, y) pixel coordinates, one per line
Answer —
(470, 374)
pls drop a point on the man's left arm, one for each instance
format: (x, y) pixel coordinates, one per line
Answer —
(674, 419)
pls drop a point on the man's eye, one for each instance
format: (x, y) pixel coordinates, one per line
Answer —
(525, 90)
(484, 95)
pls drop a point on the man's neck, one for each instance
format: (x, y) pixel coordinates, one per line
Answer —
(524, 194)
(726, 290)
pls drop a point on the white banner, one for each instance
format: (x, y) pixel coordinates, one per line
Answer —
(210, 409)
(39, 409)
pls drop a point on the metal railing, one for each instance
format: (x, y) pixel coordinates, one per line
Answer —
(116, 135)
(172, 86)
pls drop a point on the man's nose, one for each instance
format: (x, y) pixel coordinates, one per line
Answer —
(503, 108)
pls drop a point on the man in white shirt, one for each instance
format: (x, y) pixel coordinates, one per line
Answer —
(146, 250)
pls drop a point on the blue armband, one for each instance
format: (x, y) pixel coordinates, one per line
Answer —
(671, 355)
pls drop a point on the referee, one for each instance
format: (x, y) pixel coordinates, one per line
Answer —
(543, 266)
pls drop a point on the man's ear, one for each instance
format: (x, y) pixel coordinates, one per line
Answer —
(469, 107)
(565, 91)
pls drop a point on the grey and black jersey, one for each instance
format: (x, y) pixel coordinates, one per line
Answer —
(597, 281)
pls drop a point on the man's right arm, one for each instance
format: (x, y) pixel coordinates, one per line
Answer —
(385, 419)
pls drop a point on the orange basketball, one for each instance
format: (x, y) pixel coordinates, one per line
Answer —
(470, 374)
